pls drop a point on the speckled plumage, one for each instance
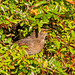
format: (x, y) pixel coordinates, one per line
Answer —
(35, 44)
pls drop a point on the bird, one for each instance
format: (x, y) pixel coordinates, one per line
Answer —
(35, 44)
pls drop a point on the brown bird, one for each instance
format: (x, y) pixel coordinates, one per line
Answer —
(35, 44)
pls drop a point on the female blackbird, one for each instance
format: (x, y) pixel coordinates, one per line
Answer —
(35, 44)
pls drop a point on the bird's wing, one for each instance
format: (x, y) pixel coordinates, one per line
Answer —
(25, 41)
